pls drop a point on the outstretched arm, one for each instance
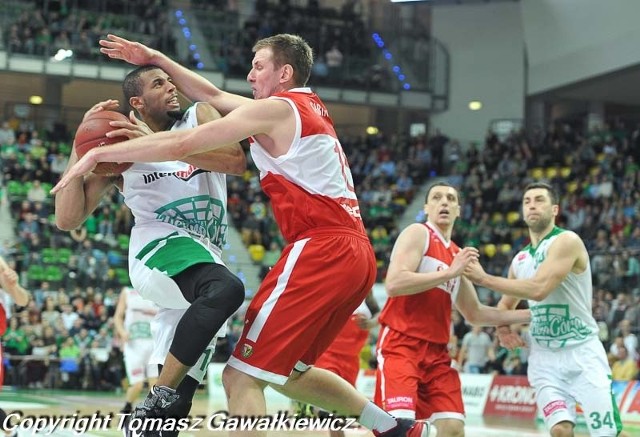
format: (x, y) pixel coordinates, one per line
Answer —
(191, 84)
(562, 257)
(478, 314)
(228, 159)
(260, 117)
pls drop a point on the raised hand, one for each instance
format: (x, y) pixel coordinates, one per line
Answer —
(134, 53)
(463, 259)
(133, 129)
(84, 166)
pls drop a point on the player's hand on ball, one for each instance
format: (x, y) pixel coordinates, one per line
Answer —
(106, 105)
(131, 52)
(133, 129)
(84, 166)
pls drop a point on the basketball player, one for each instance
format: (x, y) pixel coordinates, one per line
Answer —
(414, 378)
(9, 287)
(567, 362)
(132, 321)
(328, 260)
(180, 228)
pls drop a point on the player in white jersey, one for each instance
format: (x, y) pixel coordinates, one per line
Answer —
(180, 227)
(10, 290)
(568, 363)
(132, 321)
(329, 259)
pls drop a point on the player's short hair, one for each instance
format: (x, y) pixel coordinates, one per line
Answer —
(132, 85)
(292, 50)
(440, 184)
(553, 193)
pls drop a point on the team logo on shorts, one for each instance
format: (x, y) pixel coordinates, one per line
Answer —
(247, 350)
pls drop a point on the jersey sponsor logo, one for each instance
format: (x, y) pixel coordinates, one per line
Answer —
(400, 403)
(450, 285)
(184, 175)
(353, 211)
(521, 257)
(552, 325)
(199, 215)
(554, 406)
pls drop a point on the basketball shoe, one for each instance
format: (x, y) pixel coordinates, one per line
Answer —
(407, 428)
(155, 405)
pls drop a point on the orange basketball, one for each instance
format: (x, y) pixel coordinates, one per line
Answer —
(91, 133)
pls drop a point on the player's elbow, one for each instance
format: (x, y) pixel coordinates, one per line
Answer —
(539, 294)
(66, 223)
(392, 287)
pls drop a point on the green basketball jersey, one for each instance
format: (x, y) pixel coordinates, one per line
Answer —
(564, 318)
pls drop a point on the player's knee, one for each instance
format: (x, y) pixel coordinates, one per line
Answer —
(562, 429)
(235, 381)
(450, 427)
(226, 295)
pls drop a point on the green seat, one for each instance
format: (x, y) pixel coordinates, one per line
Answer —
(35, 274)
(64, 148)
(123, 242)
(14, 188)
(64, 253)
(47, 186)
(53, 274)
(123, 276)
(48, 255)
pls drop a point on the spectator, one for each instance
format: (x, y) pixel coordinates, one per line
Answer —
(477, 350)
(624, 368)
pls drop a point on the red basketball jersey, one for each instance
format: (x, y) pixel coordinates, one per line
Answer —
(426, 315)
(3, 313)
(311, 186)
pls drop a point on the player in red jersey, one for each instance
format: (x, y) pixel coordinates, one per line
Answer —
(414, 378)
(9, 287)
(328, 266)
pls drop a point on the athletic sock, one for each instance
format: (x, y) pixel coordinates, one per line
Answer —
(376, 419)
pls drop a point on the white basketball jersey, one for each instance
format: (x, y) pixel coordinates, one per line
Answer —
(564, 318)
(168, 196)
(138, 315)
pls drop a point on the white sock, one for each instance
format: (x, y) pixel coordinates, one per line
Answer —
(376, 419)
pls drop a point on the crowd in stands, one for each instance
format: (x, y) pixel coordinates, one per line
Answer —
(346, 54)
(43, 27)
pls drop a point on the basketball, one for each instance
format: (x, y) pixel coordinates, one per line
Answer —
(91, 133)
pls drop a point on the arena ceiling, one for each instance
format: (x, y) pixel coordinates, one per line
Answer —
(619, 87)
